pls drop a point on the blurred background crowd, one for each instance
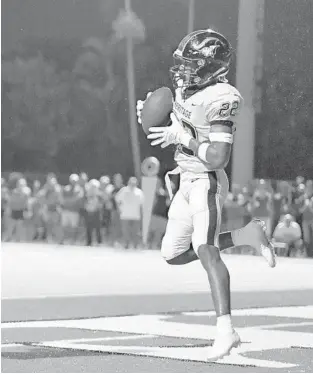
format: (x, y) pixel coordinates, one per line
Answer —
(109, 212)
(83, 211)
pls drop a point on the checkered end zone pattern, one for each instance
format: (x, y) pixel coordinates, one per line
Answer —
(273, 338)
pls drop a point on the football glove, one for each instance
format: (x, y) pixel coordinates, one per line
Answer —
(166, 135)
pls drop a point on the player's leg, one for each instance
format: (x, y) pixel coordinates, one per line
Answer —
(206, 199)
(254, 235)
(209, 255)
(204, 239)
(177, 238)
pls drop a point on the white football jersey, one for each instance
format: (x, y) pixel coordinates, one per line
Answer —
(219, 102)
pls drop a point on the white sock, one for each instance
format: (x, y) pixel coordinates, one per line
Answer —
(224, 324)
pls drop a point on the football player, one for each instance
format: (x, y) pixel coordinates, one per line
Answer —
(204, 119)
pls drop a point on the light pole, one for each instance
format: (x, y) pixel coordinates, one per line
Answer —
(248, 70)
(132, 98)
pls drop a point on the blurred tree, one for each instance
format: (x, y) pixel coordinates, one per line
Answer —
(36, 108)
(285, 125)
(92, 73)
(127, 24)
(95, 75)
(96, 94)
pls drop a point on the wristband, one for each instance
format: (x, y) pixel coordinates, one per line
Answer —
(222, 137)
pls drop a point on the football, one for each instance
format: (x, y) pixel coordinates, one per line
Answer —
(157, 109)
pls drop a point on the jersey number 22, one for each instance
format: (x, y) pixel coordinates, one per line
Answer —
(229, 109)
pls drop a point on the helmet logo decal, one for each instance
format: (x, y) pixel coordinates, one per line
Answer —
(209, 51)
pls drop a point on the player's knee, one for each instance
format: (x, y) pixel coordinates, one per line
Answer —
(209, 255)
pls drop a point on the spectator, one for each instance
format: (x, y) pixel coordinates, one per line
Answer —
(105, 184)
(4, 205)
(299, 180)
(298, 202)
(13, 179)
(50, 198)
(83, 180)
(18, 206)
(236, 190)
(72, 203)
(261, 205)
(234, 214)
(244, 200)
(106, 189)
(288, 233)
(36, 206)
(115, 227)
(307, 223)
(117, 182)
(36, 187)
(93, 207)
(130, 201)
(159, 216)
(286, 190)
(277, 204)
(309, 188)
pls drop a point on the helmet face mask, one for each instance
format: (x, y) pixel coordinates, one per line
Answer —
(202, 58)
(185, 72)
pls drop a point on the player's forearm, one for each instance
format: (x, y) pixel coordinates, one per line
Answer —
(209, 154)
